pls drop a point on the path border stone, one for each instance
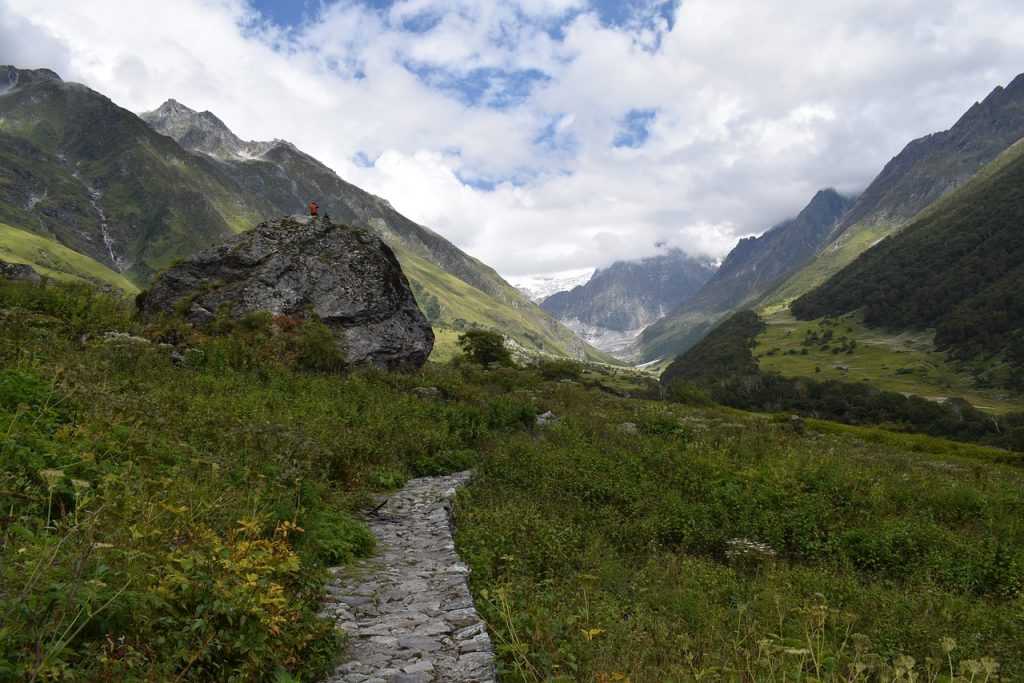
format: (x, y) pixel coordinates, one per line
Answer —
(407, 610)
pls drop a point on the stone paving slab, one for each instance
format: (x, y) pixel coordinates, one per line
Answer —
(408, 610)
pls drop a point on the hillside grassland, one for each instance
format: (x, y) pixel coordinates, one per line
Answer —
(453, 306)
(843, 348)
(829, 261)
(171, 497)
(57, 261)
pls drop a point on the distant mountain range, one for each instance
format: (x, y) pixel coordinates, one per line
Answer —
(621, 300)
(753, 267)
(794, 257)
(134, 194)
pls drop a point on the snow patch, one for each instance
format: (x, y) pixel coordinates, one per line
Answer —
(540, 287)
(615, 342)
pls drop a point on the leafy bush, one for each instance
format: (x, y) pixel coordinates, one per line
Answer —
(315, 348)
(561, 368)
(333, 537)
(485, 347)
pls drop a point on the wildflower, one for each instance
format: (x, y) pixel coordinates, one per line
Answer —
(948, 644)
(744, 547)
(989, 665)
(52, 477)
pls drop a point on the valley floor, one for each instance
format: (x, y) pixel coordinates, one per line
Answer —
(906, 362)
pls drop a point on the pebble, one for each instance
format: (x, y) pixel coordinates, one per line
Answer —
(407, 610)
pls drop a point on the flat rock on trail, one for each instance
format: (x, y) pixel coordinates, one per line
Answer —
(408, 610)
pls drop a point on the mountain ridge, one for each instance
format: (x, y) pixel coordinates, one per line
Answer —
(926, 169)
(752, 267)
(95, 177)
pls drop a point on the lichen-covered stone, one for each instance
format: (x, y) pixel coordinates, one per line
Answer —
(19, 271)
(302, 266)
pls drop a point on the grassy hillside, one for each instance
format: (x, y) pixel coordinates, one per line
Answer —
(860, 237)
(57, 261)
(714, 545)
(457, 306)
(724, 366)
(829, 261)
(958, 270)
(171, 520)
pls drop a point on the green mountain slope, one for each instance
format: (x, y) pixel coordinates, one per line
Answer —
(926, 170)
(958, 269)
(80, 171)
(54, 260)
(753, 267)
(93, 176)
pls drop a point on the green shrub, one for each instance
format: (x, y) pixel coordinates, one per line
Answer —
(443, 462)
(561, 368)
(315, 348)
(334, 538)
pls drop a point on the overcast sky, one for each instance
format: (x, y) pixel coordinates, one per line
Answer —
(546, 135)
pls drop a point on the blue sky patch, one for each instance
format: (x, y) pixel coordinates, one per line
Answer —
(632, 13)
(635, 128)
(477, 182)
(485, 87)
(363, 160)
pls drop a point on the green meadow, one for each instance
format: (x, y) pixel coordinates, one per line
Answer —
(842, 348)
(172, 496)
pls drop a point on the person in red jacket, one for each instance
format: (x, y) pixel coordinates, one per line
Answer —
(312, 209)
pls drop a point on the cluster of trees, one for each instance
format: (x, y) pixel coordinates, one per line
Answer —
(959, 270)
(428, 303)
(722, 364)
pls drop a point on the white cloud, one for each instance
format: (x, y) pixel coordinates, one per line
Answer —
(756, 105)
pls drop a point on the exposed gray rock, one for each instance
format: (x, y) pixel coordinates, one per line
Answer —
(408, 610)
(19, 271)
(545, 419)
(302, 266)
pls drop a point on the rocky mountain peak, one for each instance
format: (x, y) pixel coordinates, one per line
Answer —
(199, 131)
(12, 77)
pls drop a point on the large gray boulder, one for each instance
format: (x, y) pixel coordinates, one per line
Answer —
(301, 266)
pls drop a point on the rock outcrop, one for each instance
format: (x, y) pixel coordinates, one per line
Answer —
(19, 271)
(302, 266)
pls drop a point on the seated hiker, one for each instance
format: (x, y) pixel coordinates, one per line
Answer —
(312, 209)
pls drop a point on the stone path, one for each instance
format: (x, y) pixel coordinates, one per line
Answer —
(407, 610)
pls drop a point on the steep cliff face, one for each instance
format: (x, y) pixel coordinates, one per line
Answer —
(931, 166)
(77, 168)
(303, 266)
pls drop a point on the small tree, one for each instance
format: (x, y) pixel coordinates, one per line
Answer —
(485, 347)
